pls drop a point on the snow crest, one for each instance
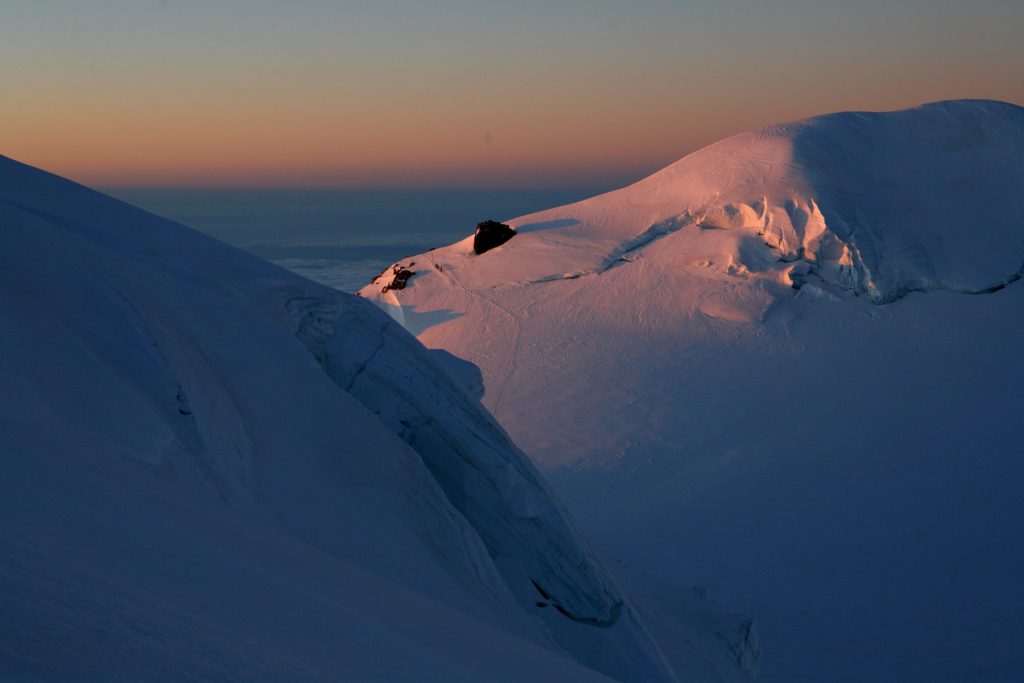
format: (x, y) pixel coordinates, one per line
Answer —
(178, 465)
(874, 204)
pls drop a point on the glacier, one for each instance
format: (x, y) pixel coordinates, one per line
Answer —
(782, 372)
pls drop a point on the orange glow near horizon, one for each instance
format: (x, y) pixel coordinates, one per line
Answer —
(356, 95)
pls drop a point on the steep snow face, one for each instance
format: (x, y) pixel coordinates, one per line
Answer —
(764, 358)
(215, 468)
(549, 568)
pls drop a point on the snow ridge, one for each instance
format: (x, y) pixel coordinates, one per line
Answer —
(875, 204)
(204, 437)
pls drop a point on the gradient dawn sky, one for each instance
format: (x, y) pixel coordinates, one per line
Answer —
(457, 93)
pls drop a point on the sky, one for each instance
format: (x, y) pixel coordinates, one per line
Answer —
(453, 93)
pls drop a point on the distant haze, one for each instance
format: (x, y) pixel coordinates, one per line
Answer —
(462, 94)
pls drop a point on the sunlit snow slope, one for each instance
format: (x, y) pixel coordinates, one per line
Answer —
(787, 368)
(216, 470)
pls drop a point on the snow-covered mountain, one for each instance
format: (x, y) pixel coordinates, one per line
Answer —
(217, 470)
(762, 369)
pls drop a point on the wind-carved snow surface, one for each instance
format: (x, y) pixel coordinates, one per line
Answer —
(215, 469)
(759, 370)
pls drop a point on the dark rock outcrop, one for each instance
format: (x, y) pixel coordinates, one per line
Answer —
(491, 234)
(400, 279)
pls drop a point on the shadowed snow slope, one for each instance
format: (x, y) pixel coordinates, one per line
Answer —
(215, 469)
(758, 369)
